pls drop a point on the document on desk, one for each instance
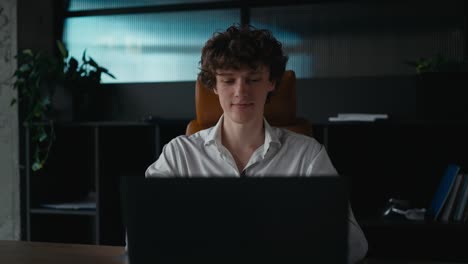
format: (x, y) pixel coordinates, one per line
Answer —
(362, 117)
(71, 206)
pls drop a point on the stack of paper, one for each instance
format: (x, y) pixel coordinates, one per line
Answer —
(71, 206)
(88, 203)
(348, 117)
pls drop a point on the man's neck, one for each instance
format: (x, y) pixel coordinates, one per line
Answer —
(241, 139)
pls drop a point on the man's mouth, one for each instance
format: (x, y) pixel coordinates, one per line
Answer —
(242, 105)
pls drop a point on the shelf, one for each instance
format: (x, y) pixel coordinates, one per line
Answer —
(395, 122)
(62, 211)
(414, 225)
(64, 228)
(423, 240)
(88, 195)
(146, 122)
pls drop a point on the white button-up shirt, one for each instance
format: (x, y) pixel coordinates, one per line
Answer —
(283, 153)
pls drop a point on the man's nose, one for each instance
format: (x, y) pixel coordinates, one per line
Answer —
(242, 88)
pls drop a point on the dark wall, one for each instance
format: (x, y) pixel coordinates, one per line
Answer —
(138, 101)
(36, 25)
(317, 99)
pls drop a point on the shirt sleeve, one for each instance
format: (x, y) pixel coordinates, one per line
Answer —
(357, 242)
(166, 164)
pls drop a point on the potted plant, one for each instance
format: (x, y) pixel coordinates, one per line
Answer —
(37, 78)
(439, 64)
(82, 81)
(442, 88)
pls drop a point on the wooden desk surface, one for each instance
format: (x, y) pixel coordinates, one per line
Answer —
(380, 261)
(21, 252)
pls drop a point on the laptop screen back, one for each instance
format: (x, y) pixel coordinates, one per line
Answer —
(229, 220)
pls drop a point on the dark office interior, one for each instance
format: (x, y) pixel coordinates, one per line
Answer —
(348, 57)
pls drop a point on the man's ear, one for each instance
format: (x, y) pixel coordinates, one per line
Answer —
(215, 90)
(272, 87)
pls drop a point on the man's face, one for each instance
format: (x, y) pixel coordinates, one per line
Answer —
(242, 93)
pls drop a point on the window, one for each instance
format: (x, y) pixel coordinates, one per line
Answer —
(160, 41)
(150, 47)
(356, 39)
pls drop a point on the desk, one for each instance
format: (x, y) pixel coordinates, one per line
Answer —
(21, 252)
(380, 261)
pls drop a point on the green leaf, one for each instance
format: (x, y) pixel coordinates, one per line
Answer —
(72, 64)
(110, 74)
(38, 82)
(37, 111)
(38, 55)
(19, 81)
(24, 68)
(104, 70)
(42, 136)
(62, 49)
(45, 101)
(28, 52)
(13, 102)
(93, 63)
(84, 56)
(36, 166)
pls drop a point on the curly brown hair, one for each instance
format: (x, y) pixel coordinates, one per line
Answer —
(241, 46)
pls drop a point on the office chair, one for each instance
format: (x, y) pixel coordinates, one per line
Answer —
(279, 112)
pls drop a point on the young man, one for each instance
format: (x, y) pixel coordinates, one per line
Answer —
(243, 66)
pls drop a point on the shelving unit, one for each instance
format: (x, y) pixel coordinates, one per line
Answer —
(89, 158)
(411, 240)
(63, 179)
(62, 212)
(403, 160)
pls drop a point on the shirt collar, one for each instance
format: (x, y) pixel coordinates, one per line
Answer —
(214, 135)
(270, 137)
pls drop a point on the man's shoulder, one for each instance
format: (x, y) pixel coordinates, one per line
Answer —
(197, 138)
(299, 144)
(291, 137)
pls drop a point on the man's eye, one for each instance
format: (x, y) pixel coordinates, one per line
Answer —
(227, 81)
(254, 80)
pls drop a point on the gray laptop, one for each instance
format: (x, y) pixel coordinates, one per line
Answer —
(235, 220)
